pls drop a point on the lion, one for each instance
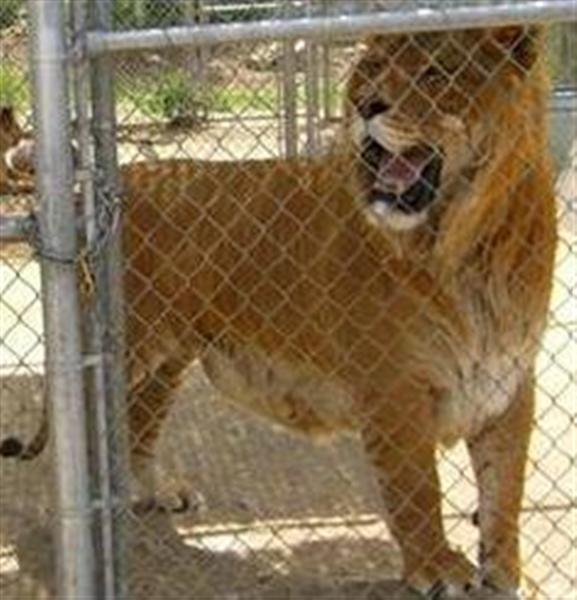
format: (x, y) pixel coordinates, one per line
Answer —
(16, 155)
(397, 286)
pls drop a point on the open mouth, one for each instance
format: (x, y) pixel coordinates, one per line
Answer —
(404, 182)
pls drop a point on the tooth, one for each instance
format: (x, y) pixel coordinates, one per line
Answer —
(454, 124)
(9, 158)
(390, 137)
(359, 130)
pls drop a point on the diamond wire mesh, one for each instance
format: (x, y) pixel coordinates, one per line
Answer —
(339, 485)
(25, 488)
(25, 491)
(273, 516)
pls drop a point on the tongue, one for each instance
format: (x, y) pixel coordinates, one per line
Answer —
(401, 171)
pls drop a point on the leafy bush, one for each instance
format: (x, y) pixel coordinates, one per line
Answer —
(563, 54)
(171, 97)
(164, 13)
(10, 11)
(240, 99)
(148, 13)
(13, 87)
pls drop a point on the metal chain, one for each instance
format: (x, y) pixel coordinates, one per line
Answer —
(86, 257)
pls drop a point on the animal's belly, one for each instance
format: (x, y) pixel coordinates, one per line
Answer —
(291, 395)
(478, 388)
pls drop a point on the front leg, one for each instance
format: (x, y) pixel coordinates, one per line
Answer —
(400, 441)
(499, 456)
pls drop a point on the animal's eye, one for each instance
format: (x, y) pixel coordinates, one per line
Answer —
(372, 108)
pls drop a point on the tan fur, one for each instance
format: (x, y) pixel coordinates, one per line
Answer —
(14, 178)
(305, 308)
(272, 274)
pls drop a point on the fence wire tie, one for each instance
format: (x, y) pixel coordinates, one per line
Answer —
(40, 252)
(93, 359)
(80, 259)
(114, 503)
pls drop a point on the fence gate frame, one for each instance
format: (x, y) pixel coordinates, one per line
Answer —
(72, 56)
(58, 251)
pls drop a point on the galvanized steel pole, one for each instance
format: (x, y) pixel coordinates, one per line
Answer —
(289, 92)
(112, 444)
(58, 254)
(311, 75)
(16, 229)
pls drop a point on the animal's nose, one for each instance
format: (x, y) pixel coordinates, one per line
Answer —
(372, 108)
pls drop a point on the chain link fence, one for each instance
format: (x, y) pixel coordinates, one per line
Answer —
(249, 274)
(26, 509)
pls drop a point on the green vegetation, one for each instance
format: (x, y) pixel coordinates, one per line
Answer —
(173, 97)
(13, 87)
(164, 13)
(170, 98)
(153, 13)
(148, 13)
(239, 99)
(563, 54)
(10, 11)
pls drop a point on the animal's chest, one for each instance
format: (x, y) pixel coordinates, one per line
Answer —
(481, 374)
(481, 387)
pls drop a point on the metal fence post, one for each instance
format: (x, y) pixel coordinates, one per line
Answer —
(58, 253)
(102, 339)
(289, 91)
(113, 448)
(311, 76)
(195, 59)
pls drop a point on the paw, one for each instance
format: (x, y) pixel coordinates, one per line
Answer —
(490, 592)
(146, 499)
(179, 503)
(449, 591)
(442, 590)
(174, 504)
(446, 576)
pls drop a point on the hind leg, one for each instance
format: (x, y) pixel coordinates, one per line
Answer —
(149, 404)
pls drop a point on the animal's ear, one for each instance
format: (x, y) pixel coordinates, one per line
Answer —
(522, 44)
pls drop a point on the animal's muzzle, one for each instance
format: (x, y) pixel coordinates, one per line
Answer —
(406, 181)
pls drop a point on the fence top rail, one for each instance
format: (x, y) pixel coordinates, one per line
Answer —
(325, 28)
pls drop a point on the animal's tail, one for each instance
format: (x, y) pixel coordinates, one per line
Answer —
(13, 447)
